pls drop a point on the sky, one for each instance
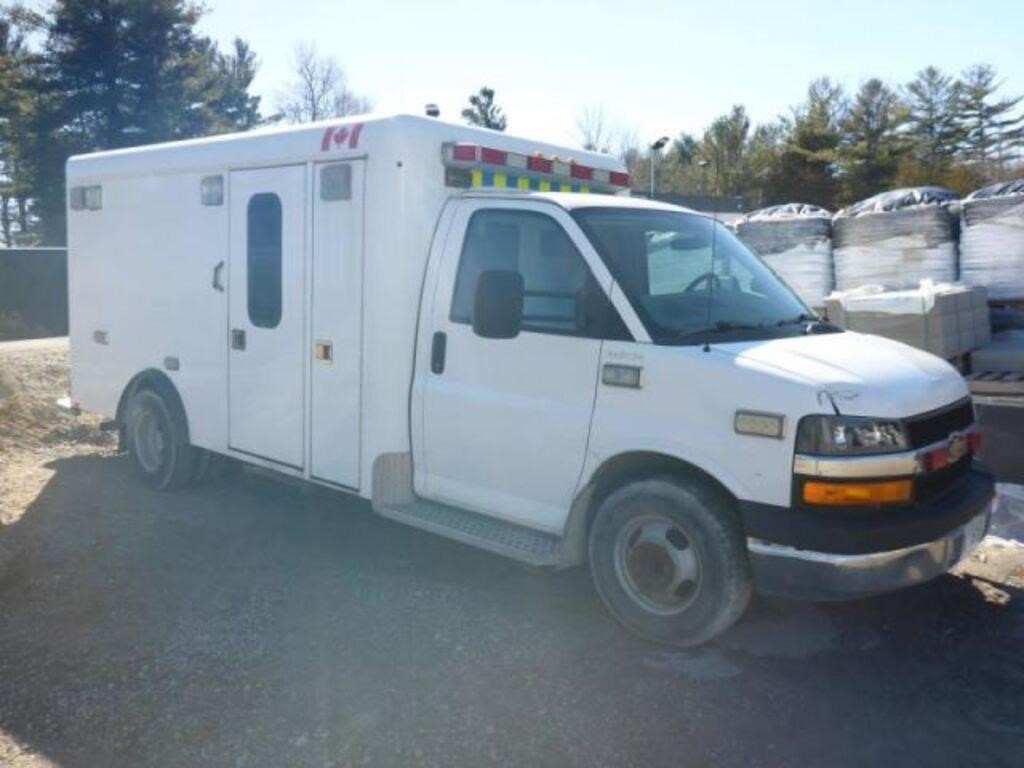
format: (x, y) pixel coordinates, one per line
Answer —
(655, 68)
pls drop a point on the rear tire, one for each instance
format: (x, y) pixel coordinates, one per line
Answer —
(156, 440)
(669, 560)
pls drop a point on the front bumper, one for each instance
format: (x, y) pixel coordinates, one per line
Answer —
(787, 572)
(844, 568)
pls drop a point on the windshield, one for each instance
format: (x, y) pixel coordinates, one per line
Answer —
(689, 278)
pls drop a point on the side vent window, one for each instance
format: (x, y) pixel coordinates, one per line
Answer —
(263, 257)
(336, 182)
(211, 190)
(86, 198)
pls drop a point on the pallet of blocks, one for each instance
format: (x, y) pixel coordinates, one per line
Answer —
(945, 319)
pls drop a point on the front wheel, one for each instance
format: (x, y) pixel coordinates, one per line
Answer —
(156, 442)
(669, 561)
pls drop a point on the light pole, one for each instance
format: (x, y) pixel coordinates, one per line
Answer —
(655, 148)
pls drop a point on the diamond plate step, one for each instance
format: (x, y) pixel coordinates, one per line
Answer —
(515, 541)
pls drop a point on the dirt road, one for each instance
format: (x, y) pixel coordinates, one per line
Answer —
(261, 624)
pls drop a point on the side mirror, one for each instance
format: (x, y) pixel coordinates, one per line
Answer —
(498, 304)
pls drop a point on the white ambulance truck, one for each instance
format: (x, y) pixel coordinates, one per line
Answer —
(487, 338)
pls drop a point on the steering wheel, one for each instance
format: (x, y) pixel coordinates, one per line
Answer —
(710, 278)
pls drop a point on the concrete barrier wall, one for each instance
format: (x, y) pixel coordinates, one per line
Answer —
(33, 292)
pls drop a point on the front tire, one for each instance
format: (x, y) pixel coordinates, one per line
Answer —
(156, 440)
(669, 560)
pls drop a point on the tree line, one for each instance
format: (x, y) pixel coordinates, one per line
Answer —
(88, 75)
(835, 148)
(99, 74)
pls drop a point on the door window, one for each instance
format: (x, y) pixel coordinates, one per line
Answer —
(561, 295)
(263, 255)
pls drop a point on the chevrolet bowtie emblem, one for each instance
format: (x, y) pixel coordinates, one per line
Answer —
(957, 446)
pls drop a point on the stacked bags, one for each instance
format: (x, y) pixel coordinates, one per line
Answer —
(992, 240)
(795, 240)
(897, 239)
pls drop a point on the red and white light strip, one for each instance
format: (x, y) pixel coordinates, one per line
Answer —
(477, 156)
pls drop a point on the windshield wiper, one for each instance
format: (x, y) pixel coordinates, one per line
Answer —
(722, 326)
(811, 324)
(729, 325)
(800, 319)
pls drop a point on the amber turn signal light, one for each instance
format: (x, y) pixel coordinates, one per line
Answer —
(857, 494)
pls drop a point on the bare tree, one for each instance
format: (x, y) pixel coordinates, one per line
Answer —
(320, 89)
(594, 130)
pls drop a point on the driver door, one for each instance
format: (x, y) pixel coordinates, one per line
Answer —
(505, 422)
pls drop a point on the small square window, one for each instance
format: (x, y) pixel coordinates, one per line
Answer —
(77, 198)
(94, 198)
(212, 190)
(336, 182)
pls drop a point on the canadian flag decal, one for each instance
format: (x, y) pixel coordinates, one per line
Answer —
(336, 137)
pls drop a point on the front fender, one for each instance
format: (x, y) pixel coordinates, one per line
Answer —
(674, 450)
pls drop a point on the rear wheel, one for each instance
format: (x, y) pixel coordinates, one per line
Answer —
(157, 443)
(669, 560)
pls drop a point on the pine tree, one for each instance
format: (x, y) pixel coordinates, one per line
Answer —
(223, 80)
(24, 124)
(482, 111)
(120, 73)
(764, 169)
(933, 101)
(809, 154)
(870, 147)
(991, 134)
(723, 152)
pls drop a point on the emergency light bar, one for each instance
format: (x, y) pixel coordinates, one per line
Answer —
(473, 165)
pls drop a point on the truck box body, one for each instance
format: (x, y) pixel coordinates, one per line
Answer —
(352, 271)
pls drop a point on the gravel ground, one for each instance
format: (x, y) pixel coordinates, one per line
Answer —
(259, 623)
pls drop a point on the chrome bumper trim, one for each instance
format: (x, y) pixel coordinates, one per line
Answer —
(888, 465)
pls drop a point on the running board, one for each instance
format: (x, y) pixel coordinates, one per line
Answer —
(515, 541)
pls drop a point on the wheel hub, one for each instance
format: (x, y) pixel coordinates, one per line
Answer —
(657, 564)
(149, 441)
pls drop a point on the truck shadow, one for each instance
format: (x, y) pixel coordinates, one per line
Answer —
(240, 622)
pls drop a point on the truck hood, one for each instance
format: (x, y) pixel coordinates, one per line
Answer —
(862, 375)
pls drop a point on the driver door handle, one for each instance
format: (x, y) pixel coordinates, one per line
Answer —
(438, 350)
(217, 272)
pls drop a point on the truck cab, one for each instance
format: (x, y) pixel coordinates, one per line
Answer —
(637, 356)
(563, 377)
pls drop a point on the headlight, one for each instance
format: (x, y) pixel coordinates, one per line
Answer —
(849, 436)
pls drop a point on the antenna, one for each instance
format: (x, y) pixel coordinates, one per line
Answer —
(711, 275)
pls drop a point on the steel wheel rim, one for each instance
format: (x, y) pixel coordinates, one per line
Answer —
(657, 564)
(150, 442)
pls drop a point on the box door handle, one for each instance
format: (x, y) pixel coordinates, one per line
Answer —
(438, 348)
(237, 339)
(323, 352)
(217, 272)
